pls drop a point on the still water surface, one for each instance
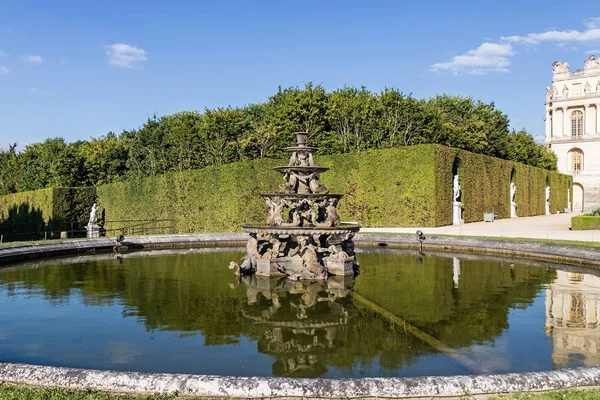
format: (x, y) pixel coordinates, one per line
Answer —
(187, 313)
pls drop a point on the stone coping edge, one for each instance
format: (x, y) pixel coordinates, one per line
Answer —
(589, 257)
(319, 388)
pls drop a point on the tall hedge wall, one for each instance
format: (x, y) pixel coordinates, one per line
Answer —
(408, 186)
(485, 185)
(219, 198)
(32, 211)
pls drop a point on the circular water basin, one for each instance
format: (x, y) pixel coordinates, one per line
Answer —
(405, 315)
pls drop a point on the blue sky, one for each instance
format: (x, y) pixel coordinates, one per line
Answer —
(80, 69)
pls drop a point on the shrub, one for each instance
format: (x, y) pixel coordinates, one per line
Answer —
(585, 222)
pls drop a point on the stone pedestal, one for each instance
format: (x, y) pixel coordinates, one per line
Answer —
(457, 213)
(547, 208)
(93, 231)
(513, 209)
(274, 266)
(339, 266)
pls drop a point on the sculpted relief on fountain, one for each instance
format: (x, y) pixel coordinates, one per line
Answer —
(303, 237)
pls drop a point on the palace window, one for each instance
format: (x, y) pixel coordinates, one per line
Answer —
(576, 161)
(577, 89)
(576, 123)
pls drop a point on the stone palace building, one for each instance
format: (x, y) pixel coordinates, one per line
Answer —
(573, 128)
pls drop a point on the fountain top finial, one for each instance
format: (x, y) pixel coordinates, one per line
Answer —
(301, 138)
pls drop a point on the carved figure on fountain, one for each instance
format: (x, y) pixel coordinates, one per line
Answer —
(300, 209)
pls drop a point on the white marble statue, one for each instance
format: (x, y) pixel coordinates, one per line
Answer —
(93, 215)
(513, 205)
(587, 89)
(456, 187)
(547, 200)
(565, 91)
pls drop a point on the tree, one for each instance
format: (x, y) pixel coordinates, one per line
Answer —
(351, 114)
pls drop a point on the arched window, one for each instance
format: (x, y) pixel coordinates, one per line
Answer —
(576, 164)
(576, 123)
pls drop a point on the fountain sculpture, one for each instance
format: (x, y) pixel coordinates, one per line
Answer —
(303, 237)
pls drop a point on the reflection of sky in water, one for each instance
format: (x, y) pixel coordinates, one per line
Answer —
(184, 313)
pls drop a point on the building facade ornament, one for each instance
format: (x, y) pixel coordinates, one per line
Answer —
(559, 68)
(591, 63)
(572, 131)
(549, 94)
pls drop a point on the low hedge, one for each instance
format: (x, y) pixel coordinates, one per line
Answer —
(585, 222)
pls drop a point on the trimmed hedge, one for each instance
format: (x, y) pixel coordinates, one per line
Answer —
(585, 222)
(407, 186)
(485, 186)
(35, 210)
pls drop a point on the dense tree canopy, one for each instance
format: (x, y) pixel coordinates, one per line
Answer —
(347, 119)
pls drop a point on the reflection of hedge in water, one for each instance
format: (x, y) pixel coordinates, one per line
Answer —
(191, 293)
(423, 294)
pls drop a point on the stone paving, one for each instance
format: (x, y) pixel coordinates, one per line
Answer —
(555, 227)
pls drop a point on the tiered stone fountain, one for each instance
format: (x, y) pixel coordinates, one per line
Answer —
(303, 236)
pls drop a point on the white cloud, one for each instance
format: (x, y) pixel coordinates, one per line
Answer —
(592, 52)
(494, 57)
(591, 34)
(34, 90)
(592, 23)
(4, 70)
(489, 57)
(34, 59)
(3, 54)
(125, 56)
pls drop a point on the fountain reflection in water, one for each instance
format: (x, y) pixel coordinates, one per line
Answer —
(303, 319)
(310, 242)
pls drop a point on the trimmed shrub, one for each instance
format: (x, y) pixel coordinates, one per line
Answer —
(585, 222)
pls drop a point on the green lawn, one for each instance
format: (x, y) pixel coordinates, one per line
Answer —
(26, 393)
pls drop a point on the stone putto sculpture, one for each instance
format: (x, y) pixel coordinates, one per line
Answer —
(303, 236)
